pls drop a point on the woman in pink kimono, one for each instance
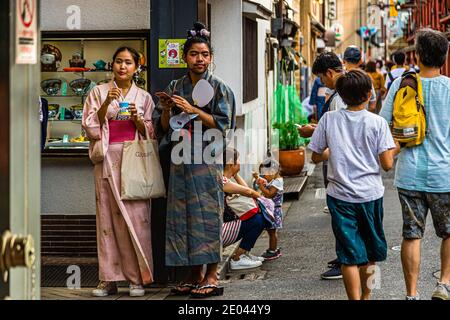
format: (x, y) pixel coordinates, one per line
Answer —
(123, 227)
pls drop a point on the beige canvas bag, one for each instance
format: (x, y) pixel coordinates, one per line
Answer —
(141, 173)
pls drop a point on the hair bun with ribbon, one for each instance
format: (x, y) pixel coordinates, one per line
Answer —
(199, 30)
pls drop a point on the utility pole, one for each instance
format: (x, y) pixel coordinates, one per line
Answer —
(360, 22)
(384, 36)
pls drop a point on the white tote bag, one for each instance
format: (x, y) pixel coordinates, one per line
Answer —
(243, 207)
(141, 173)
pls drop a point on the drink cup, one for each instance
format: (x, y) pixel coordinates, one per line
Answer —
(124, 109)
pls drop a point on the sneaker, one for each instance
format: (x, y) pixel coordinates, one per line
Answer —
(254, 258)
(243, 263)
(271, 255)
(136, 290)
(104, 289)
(332, 263)
(441, 292)
(326, 210)
(412, 298)
(333, 274)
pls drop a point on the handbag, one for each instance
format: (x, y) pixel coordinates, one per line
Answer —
(141, 173)
(243, 207)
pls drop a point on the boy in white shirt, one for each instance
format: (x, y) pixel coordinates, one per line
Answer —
(357, 144)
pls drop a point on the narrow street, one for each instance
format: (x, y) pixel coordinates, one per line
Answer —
(307, 245)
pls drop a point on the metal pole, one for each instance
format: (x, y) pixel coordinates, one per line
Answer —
(384, 36)
(360, 22)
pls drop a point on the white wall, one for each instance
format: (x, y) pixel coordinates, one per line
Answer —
(226, 38)
(96, 14)
(263, 28)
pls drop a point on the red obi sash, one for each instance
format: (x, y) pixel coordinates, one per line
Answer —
(121, 130)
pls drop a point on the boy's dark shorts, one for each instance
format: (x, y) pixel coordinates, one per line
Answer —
(358, 228)
(415, 206)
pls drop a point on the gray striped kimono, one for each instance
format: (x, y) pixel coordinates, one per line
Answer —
(195, 197)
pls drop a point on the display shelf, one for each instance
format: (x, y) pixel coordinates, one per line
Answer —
(65, 96)
(91, 47)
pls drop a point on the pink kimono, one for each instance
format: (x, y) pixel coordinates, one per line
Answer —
(123, 227)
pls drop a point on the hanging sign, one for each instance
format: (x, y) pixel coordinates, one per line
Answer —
(338, 30)
(26, 32)
(332, 9)
(171, 53)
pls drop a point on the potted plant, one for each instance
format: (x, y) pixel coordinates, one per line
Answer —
(291, 146)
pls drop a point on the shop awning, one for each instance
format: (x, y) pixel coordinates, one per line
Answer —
(255, 10)
(317, 26)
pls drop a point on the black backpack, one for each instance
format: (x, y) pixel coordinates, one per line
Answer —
(326, 106)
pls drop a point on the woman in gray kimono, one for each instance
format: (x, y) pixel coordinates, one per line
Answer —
(195, 197)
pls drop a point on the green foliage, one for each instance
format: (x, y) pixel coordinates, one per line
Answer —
(288, 111)
(289, 138)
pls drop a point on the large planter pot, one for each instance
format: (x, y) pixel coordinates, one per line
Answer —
(292, 161)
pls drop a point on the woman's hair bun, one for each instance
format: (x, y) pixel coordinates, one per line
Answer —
(199, 30)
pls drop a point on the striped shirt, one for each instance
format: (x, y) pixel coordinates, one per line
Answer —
(230, 230)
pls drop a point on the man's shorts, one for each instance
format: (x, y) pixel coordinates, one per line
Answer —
(415, 206)
(358, 229)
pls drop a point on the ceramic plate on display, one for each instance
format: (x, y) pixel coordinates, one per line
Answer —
(203, 93)
(80, 86)
(51, 86)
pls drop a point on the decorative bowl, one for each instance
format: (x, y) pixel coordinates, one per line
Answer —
(80, 86)
(51, 86)
(77, 111)
(53, 110)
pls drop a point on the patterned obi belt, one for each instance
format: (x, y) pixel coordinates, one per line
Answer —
(121, 130)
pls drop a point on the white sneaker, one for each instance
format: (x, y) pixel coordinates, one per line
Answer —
(441, 292)
(136, 290)
(254, 258)
(244, 263)
(104, 289)
(326, 210)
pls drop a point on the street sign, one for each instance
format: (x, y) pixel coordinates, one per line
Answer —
(332, 9)
(26, 32)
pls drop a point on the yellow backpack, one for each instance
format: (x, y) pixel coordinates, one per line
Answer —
(408, 116)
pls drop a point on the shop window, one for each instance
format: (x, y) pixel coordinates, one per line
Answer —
(250, 59)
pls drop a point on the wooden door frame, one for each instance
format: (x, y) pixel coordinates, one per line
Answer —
(4, 126)
(202, 15)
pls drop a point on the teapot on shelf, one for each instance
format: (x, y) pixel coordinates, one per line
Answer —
(100, 65)
(77, 61)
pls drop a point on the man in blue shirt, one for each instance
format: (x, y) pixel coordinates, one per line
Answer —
(423, 172)
(318, 98)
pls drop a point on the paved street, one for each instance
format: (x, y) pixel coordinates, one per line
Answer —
(307, 244)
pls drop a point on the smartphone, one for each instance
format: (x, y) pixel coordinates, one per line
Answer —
(163, 94)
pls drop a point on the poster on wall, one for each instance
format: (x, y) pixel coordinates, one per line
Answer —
(171, 53)
(26, 31)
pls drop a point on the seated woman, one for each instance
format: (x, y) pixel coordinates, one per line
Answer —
(234, 229)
